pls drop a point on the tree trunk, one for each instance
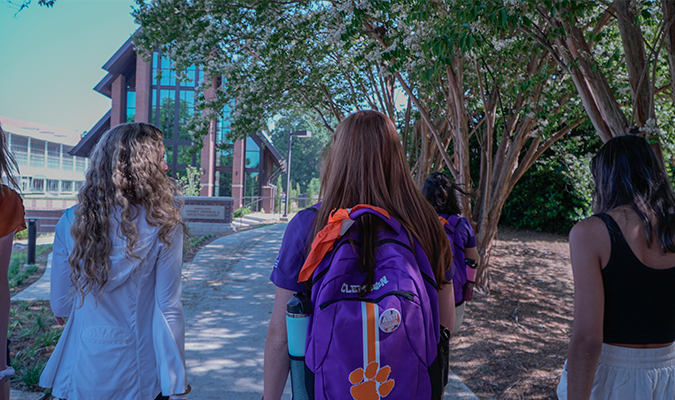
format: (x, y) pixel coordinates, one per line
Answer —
(668, 7)
(636, 63)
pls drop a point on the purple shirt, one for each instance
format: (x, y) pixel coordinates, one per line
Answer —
(465, 231)
(294, 250)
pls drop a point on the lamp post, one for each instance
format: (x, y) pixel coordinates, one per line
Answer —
(300, 134)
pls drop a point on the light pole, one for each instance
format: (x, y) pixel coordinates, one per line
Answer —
(300, 134)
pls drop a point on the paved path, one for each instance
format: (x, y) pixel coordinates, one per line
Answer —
(228, 299)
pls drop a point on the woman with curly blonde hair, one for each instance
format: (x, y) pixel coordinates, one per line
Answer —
(116, 273)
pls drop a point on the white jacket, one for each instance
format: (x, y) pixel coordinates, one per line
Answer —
(129, 343)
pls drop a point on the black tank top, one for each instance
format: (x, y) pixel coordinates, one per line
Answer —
(639, 301)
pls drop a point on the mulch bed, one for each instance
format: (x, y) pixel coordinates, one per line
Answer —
(513, 343)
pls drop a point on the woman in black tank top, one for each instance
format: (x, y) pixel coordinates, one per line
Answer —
(623, 259)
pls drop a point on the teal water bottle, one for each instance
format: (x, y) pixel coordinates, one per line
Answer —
(298, 309)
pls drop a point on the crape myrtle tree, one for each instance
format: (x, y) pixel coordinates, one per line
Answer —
(471, 88)
(620, 55)
(19, 5)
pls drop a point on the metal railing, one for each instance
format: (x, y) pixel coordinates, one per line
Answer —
(253, 203)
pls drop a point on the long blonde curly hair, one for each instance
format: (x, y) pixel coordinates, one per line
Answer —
(125, 172)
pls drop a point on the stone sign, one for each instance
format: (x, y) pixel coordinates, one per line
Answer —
(193, 211)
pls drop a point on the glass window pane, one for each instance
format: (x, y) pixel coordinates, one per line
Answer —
(252, 154)
(153, 108)
(53, 156)
(66, 186)
(225, 157)
(131, 106)
(167, 113)
(168, 156)
(224, 183)
(185, 155)
(185, 111)
(19, 150)
(80, 164)
(37, 153)
(52, 185)
(67, 162)
(38, 185)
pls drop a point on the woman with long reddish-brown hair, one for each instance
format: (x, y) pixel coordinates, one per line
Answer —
(365, 165)
(11, 221)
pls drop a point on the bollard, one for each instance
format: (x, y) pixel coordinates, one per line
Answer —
(32, 235)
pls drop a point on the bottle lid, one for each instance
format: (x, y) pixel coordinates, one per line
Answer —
(299, 304)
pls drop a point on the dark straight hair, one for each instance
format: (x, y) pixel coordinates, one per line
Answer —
(7, 163)
(627, 173)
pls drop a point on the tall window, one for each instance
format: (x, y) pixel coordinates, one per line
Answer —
(37, 153)
(172, 106)
(53, 155)
(131, 105)
(19, 149)
(252, 153)
(67, 162)
(80, 164)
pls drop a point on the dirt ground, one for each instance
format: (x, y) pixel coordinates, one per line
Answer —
(513, 343)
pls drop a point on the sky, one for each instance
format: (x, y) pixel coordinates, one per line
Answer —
(51, 59)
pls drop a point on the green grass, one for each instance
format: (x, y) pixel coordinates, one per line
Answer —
(34, 333)
(194, 242)
(18, 270)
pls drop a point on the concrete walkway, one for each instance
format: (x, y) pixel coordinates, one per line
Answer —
(228, 299)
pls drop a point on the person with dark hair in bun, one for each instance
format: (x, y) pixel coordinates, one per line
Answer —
(623, 260)
(442, 194)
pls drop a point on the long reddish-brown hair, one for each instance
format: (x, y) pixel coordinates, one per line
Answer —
(366, 165)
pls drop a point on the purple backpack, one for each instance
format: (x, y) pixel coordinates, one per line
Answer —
(384, 344)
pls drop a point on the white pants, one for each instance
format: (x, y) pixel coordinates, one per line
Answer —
(630, 374)
(459, 317)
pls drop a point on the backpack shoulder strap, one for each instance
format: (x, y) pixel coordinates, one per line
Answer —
(339, 223)
(451, 225)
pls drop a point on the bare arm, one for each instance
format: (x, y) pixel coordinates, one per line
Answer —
(446, 305)
(587, 238)
(5, 253)
(472, 253)
(276, 348)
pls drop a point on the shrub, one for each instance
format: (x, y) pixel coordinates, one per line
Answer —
(556, 192)
(241, 212)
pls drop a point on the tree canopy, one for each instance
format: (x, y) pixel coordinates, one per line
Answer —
(480, 88)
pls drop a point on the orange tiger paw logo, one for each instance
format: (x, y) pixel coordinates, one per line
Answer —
(371, 384)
